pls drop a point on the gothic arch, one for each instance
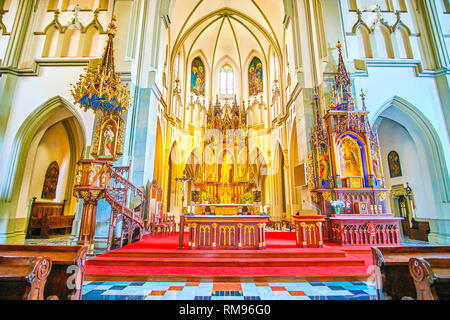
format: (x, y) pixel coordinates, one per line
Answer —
(35, 122)
(423, 132)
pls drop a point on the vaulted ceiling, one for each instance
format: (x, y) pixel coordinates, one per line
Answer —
(234, 30)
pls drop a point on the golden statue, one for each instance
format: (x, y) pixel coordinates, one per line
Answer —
(225, 196)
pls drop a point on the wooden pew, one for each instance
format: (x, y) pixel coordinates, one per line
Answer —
(393, 279)
(23, 278)
(47, 216)
(66, 277)
(432, 283)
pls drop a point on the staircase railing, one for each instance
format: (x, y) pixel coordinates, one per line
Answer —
(127, 205)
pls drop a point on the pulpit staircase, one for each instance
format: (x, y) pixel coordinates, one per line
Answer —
(127, 207)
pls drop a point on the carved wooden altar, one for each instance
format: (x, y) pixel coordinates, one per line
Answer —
(345, 164)
(226, 232)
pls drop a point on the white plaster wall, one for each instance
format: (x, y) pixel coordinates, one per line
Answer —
(33, 92)
(385, 83)
(394, 137)
(54, 146)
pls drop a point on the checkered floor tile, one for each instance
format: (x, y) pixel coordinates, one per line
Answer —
(114, 290)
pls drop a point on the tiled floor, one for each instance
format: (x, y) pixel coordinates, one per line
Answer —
(113, 290)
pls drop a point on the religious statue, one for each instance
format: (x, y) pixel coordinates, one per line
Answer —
(225, 173)
(108, 142)
(323, 166)
(225, 196)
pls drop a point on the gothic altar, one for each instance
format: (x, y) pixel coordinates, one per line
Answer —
(345, 176)
(224, 176)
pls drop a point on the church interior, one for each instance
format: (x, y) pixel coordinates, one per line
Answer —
(224, 149)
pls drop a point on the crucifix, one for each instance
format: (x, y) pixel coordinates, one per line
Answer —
(181, 232)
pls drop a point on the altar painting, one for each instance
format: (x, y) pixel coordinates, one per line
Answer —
(350, 161)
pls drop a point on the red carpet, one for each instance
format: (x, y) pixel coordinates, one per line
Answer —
(157, 258)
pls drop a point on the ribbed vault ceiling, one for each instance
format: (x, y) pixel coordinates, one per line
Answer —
(227, 29)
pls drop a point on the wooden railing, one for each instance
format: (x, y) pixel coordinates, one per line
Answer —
(127, 205)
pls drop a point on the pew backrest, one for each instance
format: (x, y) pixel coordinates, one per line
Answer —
(23, 278)
(392, 268)
(66, 277)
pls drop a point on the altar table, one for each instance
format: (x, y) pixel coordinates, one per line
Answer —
(226, 231)
(309, 231)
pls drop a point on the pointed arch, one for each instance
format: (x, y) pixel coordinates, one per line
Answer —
(90, 41)
(383, 41)
(424, 134)
(26, 133)
(364, 43)
(52, 35)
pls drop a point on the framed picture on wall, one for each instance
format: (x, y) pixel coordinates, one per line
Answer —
(395, 169)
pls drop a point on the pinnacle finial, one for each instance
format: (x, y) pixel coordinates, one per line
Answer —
(112, 27)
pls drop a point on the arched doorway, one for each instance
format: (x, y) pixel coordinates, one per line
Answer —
(407, 137)
(53, 132)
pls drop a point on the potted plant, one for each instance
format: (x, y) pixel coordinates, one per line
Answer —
(337, 205)
(248, 197)
(205, 197)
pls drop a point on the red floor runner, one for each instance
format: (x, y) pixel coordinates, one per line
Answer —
(276, 242)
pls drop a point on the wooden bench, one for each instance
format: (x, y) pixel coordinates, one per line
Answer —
(393, 278)
(66, 277)
(47, 216)
(23, 278)
(432, 283)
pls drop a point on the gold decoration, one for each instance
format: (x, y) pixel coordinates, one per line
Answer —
(99, 88)
(382, 196)
(327, 196)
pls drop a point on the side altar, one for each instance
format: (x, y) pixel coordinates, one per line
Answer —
(345, 173)
(226, 232)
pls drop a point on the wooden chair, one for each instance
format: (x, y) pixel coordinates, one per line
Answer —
(159, 225)
(171, 224)
(23, 278)
(65, 280)
(432, 283)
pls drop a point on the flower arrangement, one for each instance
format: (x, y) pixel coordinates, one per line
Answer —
(205, 197)
(337, 205)
(248, 197)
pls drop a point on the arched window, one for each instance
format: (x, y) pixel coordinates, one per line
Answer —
(51, 181)
(198, 77)
(226, 80)
(255, 77)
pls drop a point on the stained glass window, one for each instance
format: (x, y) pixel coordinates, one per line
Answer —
(198, 77)
(255, 77)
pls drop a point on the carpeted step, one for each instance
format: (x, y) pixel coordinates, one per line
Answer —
(296, 253)
(228, 274)
(225, 262)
